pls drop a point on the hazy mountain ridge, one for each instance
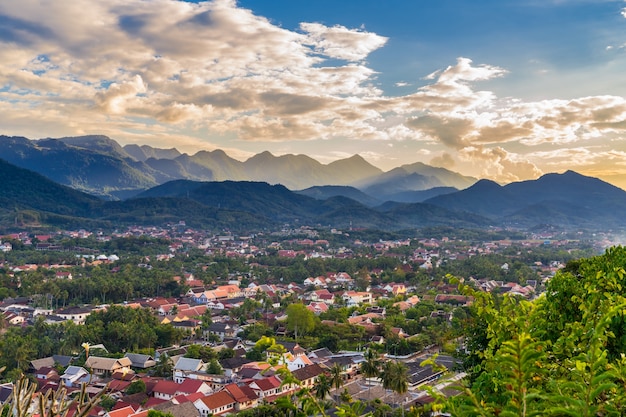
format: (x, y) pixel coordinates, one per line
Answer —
(100, 166)
(568, 200)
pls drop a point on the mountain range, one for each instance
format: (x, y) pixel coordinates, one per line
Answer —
(569, 200)
(100, 166)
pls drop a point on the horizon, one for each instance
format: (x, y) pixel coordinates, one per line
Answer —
(505, 91)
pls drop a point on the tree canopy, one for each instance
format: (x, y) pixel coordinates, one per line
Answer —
(559, 355)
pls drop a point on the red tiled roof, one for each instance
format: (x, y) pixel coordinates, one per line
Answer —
(166, 387)
(217, 400)
(268, 383)
(122, 412)
(190, 386)
(153, 401)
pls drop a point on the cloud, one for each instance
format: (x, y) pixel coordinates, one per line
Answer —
(340, 42)
(134, 68)
(500, 165)
(117, 97)
(445, 160)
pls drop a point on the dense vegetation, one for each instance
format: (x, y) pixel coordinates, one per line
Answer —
(560, 355)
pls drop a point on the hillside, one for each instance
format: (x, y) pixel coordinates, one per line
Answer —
(569, 199)
(324, 192)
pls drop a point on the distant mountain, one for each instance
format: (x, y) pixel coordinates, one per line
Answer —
(143, 152)
(278, 204)
(94, 170)
(419, 196)
(403, 180)
(221, 166)
(568, 199)
(300, 171)
(324, 192)
(99, 165)
(98, 143)
(29, 200)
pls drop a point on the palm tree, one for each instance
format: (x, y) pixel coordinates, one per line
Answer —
(322, 386)
(336, 377)
(394, 377)
(369, 367)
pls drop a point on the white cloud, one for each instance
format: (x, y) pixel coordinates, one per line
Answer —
(162, 67)
(342, 43)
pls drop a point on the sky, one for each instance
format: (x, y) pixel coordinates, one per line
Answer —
(500, 89)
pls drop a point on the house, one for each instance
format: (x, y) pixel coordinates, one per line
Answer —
(267, 388)
(12, 318)
(349, 363)
(36, 364)
(140, 361)
(355, 298)
(215, 404)
(74, 376)
(244, 396)
(395, 289)
(308, 375)
(107, 366)
(193, 386)
(6, 390)
(296, 362)
(317, 308)
(189, 325)
(184, 366)
(323, 296)
(165, 390)
(47, 373)
(184, 409)
(221, 330)
(76, 314)
(232, 365)
(63, 275)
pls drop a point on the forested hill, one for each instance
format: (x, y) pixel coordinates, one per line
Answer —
(568, 200)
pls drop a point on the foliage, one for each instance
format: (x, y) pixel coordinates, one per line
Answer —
(136, 387)
(560, 355)
(214, 368)
(300, 319)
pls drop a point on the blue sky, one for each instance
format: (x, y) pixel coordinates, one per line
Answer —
(506, 90)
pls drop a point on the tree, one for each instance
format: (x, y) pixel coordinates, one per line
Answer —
(214, 368)
(322, 386)
(370, 367)
(559, 355)
(336, 378)
(394, 377)
(164, 367)
(136, 387)
(107, 402)
(300, 319)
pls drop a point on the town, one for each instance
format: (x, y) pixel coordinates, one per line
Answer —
(195, 324)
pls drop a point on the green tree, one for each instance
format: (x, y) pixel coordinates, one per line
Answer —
(560, 355)
(322, 386)
(394, 377)
(214, 368)
(370, 367)
(136, 387)
(300, 320)
(336, 378)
